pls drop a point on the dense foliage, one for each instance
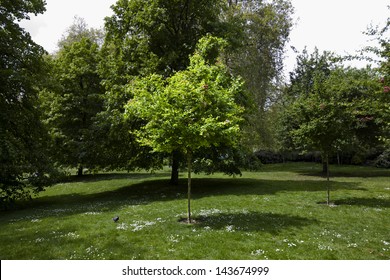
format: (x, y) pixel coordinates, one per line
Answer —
(194, 109)
(72, 105)
(23, 162)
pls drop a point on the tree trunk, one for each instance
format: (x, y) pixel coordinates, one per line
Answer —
(175, 168)
(189, 166)
(327, 179)
(80, 171)
(324, 165)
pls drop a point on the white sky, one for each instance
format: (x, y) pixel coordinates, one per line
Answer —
(332, 25)
(47, 29)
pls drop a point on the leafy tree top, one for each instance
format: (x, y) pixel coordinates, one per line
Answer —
(145, 37)
(193, 109)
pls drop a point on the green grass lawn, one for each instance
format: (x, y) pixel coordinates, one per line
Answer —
(277, 213)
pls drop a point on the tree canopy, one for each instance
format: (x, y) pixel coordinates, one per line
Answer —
(331, 108)
(72, 105)
(194, 109)
(24, 165)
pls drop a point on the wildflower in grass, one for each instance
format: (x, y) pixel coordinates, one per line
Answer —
(39, 240)
(136, 227)
(122, 226)
(324, 247)
(173, 238)
(36, 220)
(92, 213)
(139, 225)
(230, 228)
(209, 212)
(71, 235)
(258, 252)
(89, 250)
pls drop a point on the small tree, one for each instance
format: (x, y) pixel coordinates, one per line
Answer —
(340, 109)
(323, 122)
(192, 110)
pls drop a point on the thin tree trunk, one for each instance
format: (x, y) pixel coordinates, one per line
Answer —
(80, 171)
(189, 166)
(324, 166)
(327, 179)
(175, 168)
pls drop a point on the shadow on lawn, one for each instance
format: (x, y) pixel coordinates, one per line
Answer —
(252, 221)
(112, 176)
(241, 186)
(355, 173)
(367, 202)
(159, 190)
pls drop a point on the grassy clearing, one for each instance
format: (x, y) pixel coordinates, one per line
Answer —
(273, 214)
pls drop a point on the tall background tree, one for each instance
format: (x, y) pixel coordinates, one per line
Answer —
(24, 166)
(79, 30)
(258, 58)
(74, 97)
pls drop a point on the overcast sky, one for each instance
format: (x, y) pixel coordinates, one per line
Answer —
(333, 25)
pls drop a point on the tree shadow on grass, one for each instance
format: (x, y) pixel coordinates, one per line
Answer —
(86, 178)
(241, 186)
(135, 194)
(252, 221)
(355, 173)
(159, 190)
(367, 202)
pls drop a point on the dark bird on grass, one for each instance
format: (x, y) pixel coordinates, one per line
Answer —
(115, 219)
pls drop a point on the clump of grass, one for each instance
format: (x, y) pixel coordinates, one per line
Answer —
(272, 214)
